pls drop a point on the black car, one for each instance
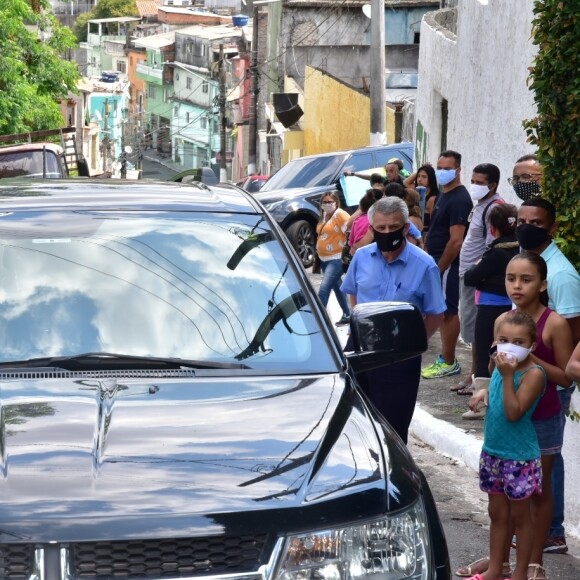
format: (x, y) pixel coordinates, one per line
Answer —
(174, 402)
(292, 194)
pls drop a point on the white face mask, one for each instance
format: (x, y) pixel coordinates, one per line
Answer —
(478, 191)
(328, 206)
(518, 352)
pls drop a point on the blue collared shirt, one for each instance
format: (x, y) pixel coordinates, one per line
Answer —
(412, 277)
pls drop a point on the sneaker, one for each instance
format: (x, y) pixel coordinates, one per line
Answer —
(344, 320)
(440, 369)
(555, 545)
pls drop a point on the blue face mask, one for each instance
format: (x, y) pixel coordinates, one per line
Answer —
(445, 176)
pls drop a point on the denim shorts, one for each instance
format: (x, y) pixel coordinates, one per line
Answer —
(515, 478)
(550, 434)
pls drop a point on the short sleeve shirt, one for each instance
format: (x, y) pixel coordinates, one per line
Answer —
(332, 235)
(413, 277)
(563, 283)
(452, 208)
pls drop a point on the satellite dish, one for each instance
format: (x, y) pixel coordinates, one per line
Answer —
(128, 149)
(367, 10)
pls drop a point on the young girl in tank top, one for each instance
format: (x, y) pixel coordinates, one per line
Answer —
(510, 470)
(526, 283)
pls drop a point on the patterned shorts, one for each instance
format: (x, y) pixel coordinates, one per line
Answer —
(516, 479)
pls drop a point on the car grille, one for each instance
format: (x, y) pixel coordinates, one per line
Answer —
(168, 558)
(16, 561)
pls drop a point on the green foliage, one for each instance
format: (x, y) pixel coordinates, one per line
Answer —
(104, 9)
(556, 130)
(33, 75)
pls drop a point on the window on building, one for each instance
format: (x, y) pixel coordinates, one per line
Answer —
(187, 117)
(203, 123)
(205, 87)
(416, 37)
(152, 91)
(122, 66)
(189, 82)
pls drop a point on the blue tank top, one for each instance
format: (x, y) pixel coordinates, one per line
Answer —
(514, 440)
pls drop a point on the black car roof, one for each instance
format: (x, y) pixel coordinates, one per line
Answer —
(77, 193)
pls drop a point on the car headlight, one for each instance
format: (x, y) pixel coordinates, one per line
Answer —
(392, 547)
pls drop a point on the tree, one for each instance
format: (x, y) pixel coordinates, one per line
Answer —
(556, 129)
(104, 9)
(33, 74)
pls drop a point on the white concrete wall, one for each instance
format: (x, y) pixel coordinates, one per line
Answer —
(571, 453)
(482, 73)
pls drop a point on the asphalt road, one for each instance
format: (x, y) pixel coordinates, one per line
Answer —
(153, 170)
(463, 511)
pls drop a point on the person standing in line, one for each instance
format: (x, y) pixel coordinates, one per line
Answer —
(527, 177)
(425, 177)
(510, 470)
(484, 184)
(535, 230)
(526, 284)
(488, 277)
(331, 238)
(444, 240)
(391, 268)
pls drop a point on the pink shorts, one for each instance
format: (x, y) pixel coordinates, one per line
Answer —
(516, 479)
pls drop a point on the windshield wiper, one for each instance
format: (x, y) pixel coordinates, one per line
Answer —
(113, 361)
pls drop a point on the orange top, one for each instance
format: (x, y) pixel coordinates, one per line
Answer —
(332, 236)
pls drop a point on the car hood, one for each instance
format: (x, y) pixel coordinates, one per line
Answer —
(82, 458)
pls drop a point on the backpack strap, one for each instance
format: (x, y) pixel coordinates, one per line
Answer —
(484, 215)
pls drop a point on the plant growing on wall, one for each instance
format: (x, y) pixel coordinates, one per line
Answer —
(555, 131)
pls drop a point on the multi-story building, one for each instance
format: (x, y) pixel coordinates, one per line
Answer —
(195, 126)
(157, 75)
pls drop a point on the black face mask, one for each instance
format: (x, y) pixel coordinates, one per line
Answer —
(531, 237)
(389, 242)
(527, 190)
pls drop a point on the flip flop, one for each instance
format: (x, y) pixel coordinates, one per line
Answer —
(462, 384)
(469, 390)
(468, 571)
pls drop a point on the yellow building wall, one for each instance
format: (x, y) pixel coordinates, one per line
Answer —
(336, 117)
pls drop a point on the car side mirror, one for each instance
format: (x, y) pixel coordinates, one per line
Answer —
(385, 332)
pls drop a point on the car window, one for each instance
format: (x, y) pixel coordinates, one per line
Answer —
(359, 162)
(305, 172)
(29, 164)
(195, 286)
(383, 156)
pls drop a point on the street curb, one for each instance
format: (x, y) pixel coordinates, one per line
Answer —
(446, 438)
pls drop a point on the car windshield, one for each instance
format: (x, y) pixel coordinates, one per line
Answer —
(305, 172)
(401, 80)
(215, 288)
(29, 164)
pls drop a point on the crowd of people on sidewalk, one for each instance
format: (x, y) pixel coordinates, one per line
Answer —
(486, 271)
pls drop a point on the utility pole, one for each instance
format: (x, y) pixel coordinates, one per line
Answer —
(253, 124)
(123, 152)
(378, 134)
(222, 101)
(106, 146)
